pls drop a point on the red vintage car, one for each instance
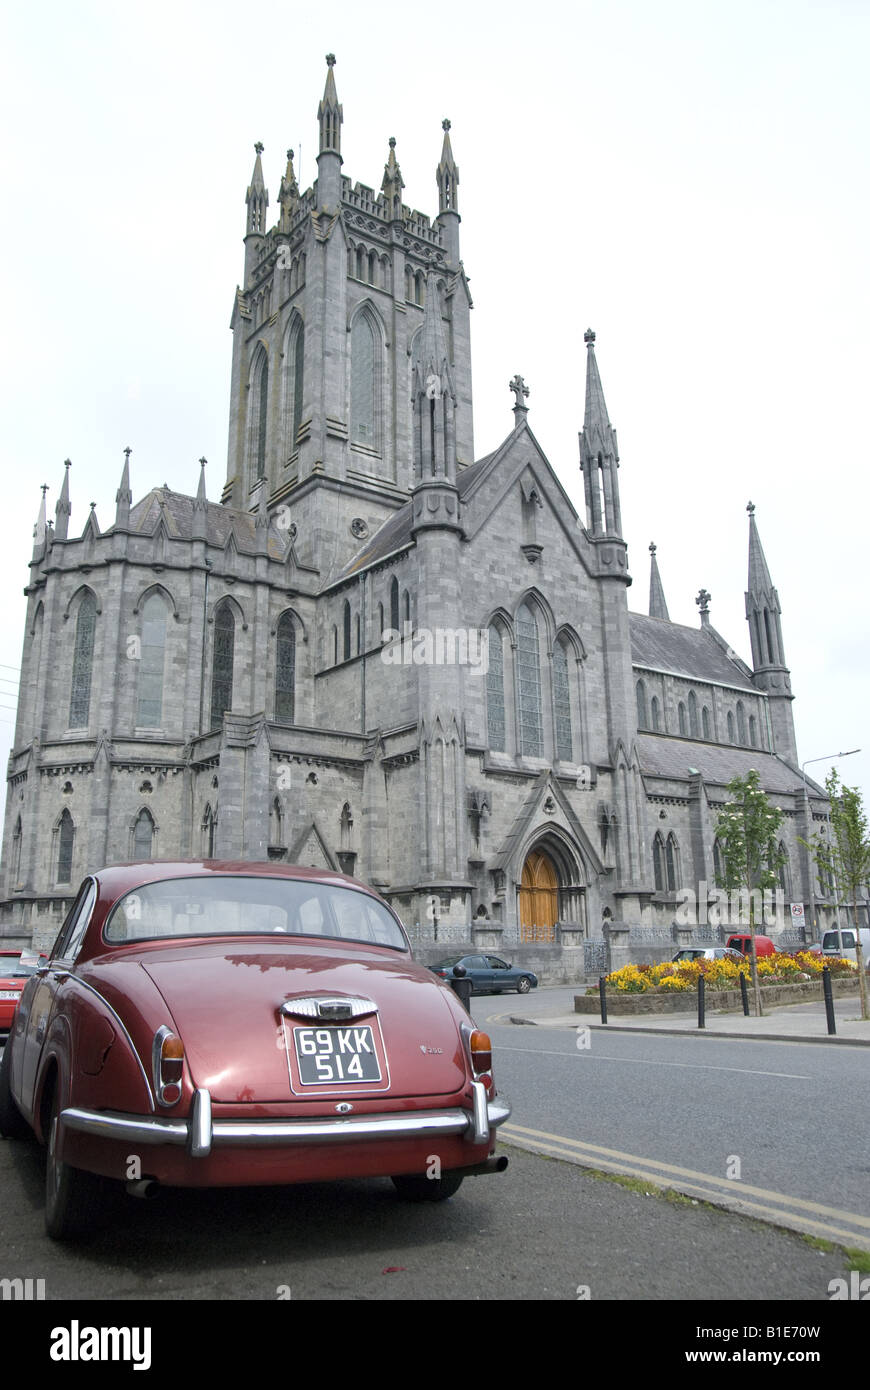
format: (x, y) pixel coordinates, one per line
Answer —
(211, 1024)
(15, 966)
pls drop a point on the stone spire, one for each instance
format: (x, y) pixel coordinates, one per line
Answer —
(257, 198)
(63, 510)
(658, 607)
(447, 176)
(40, 530)
(124, 496)
(392, 185)
(770, 672)
(329, 113)
(599, 455)
(199, 527)
(288, 194)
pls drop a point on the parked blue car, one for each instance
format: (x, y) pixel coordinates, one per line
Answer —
(488, 974)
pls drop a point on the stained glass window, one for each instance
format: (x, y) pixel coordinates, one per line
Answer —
(222, 672)
(285, 671)
(65, 840)
(529, 684)
(495, 721)
(150, 710)
(562, 700)
(362, 382)
(83, 660)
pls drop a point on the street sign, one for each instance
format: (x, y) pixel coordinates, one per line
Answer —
(797, 914)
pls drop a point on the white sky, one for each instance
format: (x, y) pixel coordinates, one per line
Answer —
(690, 179)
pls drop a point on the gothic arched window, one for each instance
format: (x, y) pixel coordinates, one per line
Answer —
(149, 713)
(753, 731)
(731, 738)
(346, 630)
(294, 368)
(681, 714)
(693, 714)
(83, 662)
(285, 670)
(640, 693)
(741, 723)
(718, 864)
(784, 871)
(394, 604)
(705, 722)
(654, 713)
(222, 669)
(529, 684)
(66, 833)
(362, 382)
(659, 863)
(495, 716)
(672, 863)
(143, 835)
(562, 704)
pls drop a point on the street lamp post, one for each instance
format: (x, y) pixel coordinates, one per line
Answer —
(812, 874)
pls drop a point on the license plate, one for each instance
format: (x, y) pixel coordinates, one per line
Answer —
(9, 993)
(336, 1055)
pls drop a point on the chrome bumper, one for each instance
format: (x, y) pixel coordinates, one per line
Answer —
(201, 1133)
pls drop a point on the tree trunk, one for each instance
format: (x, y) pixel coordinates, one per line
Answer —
(859, 956)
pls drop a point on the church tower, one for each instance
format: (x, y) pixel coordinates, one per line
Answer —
(769, 671)
(325, 327)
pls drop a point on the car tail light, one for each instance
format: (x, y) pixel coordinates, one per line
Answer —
(168, 1065)
(481, 1052)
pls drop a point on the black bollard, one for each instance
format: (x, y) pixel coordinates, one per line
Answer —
(461, 986)
(702, 985)
(744, 994)
(829, 1001)
(602, 995)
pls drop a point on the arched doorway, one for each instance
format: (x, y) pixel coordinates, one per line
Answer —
(539, 898)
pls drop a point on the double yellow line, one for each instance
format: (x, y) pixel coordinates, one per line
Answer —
(794, 1212)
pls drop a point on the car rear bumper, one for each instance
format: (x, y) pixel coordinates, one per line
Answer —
(201, 1133)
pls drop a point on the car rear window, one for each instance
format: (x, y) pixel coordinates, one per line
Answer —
(220, 905)
(831, 941)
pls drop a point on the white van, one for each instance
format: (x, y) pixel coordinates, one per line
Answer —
(831, 943)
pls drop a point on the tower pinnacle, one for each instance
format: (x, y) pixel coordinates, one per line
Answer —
(599, 455)
(329, 113)
(658, 607)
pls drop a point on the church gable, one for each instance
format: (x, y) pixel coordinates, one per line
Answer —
(311, 850)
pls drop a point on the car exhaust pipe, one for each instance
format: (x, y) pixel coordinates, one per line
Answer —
(491, 1165)
(143, 1188)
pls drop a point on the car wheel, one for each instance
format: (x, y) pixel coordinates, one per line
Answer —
(414, 1187)
(12, 1123)
(524, 985)
(72, 1197)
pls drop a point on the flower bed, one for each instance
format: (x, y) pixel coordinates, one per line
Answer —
(679, 977)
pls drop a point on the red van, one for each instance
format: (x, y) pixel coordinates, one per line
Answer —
(743, 943)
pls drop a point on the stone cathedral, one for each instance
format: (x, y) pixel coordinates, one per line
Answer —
(378, 652)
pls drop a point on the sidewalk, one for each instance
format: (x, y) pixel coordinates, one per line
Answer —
(788, 1023)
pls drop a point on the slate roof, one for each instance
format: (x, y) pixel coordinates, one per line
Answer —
(685, 651)
(395, 533)
(220, 521)
(661, 756)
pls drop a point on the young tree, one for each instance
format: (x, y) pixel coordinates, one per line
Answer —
(747, 829)
(845, 857)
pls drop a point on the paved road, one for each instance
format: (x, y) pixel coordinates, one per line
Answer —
(541, 1230)
(793, 1120)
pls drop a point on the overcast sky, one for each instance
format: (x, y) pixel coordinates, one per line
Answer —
(689, 179)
